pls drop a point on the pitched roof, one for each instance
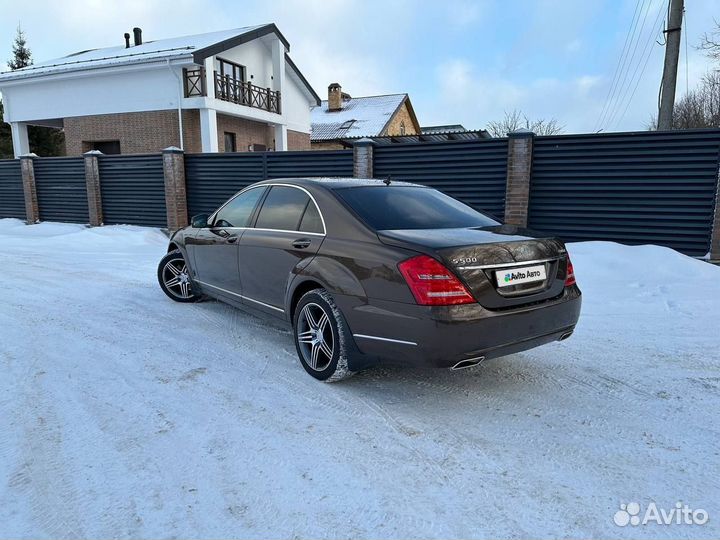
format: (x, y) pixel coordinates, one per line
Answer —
(198, 46)
(359, 117)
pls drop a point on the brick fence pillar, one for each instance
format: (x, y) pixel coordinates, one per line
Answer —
(519, 167)
(92, 183)
(32, 210)
(175, 195)
(715, 235)
(363, 158)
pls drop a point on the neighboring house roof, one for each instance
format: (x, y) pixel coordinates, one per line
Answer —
(422, 137)
(359, 117)
(450, 128)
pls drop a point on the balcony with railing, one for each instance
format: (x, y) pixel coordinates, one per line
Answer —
(232, 90)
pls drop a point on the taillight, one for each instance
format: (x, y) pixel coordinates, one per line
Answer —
(570, 276)
(432, 284)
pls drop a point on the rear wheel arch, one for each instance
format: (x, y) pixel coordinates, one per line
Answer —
(300, 289)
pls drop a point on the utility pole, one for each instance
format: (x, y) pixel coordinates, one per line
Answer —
(672, 54)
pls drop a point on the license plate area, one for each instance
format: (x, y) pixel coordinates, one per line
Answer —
(520, 275)
(534, 280)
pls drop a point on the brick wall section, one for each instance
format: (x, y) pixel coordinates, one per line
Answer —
(92, 183)
(152, 131)
(326, 145)
(519, 167)
(32, 211)
(402, 115)
(298, 140)
(363, 158)
(175, 191)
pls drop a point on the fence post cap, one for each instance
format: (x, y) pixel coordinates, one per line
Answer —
(29, 155)
(93, 153)
(173, 150)
(521, 133)
(365, 141)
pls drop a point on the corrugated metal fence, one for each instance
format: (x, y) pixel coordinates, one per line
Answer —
(133, 189)
(12, 198)
(61, 190)
(212, 178)
(636, 188)
(473, 171)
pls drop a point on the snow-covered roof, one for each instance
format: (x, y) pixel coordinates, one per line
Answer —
(359, 117)
(149, 51)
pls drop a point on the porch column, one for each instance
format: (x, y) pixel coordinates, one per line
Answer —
(208, 130)
(21, 145)
(519, 172)
(281, 143)
(209, 65)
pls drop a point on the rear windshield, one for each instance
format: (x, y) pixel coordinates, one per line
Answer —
(394, 207)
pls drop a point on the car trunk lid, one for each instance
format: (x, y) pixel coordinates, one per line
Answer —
(502, 266)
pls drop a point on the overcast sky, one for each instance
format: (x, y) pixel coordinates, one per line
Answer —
(461, 61)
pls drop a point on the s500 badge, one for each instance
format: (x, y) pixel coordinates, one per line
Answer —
(468, 260)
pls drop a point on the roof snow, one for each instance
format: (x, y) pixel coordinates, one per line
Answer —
(149, 50)
(359, 117)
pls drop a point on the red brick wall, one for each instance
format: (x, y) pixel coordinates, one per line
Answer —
(148, 132)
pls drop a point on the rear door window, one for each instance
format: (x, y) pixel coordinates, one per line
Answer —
(283, 208)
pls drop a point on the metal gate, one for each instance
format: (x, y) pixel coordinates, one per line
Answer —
(12, 197)
(61, 189)
(133, 189)
(635, 188)
(471, 171)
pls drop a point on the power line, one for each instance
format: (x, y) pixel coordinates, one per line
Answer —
(617, 66)
(647, 59)
(625, 84)
(646, 49)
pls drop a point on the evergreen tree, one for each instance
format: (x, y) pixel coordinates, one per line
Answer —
(43, 141)
(22, 57)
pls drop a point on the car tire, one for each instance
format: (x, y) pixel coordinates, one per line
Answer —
(317, 320)
(174, 278)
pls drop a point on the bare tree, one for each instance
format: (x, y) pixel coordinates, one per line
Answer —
(516, 119)
(699, 108)
(710, 42)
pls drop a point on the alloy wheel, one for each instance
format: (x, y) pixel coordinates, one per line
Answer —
(315, 336)
(177, 279)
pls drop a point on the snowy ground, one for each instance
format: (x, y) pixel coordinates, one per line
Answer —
(123, 414)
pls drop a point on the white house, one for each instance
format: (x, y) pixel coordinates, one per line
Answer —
(234, 90)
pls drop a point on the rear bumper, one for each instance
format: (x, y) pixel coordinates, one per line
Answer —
(423, 336)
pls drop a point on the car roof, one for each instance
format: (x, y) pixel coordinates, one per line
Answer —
(339, 183)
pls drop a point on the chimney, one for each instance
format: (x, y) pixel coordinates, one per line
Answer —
(335, 101)
(137, 32)
(127, 40)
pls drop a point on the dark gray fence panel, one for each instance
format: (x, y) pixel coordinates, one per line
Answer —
(12, 198)
(471, 171)
(211, 179)
(309, 164)
(61, 190)
(133, 190)
(635, 188)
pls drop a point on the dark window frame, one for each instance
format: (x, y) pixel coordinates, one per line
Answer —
(237, 69)
(233, 137)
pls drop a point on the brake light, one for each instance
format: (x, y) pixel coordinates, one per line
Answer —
(432, 284)
(570, 275)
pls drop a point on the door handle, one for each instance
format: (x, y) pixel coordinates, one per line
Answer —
(232, 239)
(301, 243)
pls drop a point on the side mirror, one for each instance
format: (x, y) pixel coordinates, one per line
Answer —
(200, 221)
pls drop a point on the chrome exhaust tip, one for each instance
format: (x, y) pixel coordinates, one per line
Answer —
(468, 363)
(565, 335)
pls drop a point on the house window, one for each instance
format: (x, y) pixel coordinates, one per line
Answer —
(232, 70)
(257, 147)
(230, 142)
(402, 128)
(106, 147)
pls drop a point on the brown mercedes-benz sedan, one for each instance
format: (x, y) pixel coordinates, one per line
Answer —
(371, 271)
